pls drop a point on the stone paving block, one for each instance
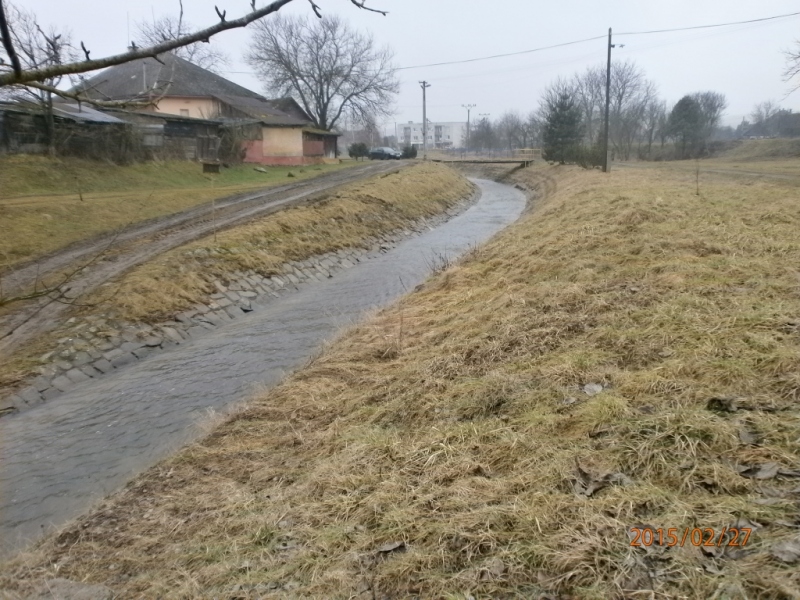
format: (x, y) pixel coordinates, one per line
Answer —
(131, 346)
(223, 302)
(129, 336)
(172, 334)
(217, 296)
(223, 316)
(90, 371)
(112, 354)
(102, 365)
(121, 361)
(232, 296)
(76, 376)
(206, 325)
(51, 393)
(291, 277)
(201, 309)
(30, 395)
(248, 294)
(62, 384)
(196, 330)
(41, 383)
(11, 404)
(94, 353)
(152, 341)
(233, 312)
(81, 358)
(141, 352)
(211, 318)
(186, 317)
(64, 365)
(220, 287)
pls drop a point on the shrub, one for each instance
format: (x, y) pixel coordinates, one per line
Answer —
(358, 150)
(410, 152)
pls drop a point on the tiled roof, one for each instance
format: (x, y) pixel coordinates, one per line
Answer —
(147, 76)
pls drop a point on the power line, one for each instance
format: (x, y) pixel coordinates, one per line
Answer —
(794, 14)
(600, 37)
(469, 60)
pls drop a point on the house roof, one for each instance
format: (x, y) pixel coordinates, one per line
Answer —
(263, 110)
(71, 111)
(146, 76)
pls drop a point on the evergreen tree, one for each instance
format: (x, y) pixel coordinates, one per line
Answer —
(563, 128)
(685, 126)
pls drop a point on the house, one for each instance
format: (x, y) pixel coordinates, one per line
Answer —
(271, 132)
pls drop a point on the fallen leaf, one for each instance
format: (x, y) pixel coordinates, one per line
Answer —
(787, 551)
(392, 547)
(762, 471)
(592, 389)
(789, 472)
(749, 437)
(722, 405)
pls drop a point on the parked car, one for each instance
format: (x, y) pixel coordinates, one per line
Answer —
(384, 154)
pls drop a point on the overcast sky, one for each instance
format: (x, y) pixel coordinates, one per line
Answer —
(744, 62)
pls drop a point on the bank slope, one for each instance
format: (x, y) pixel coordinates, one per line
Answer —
(626, 356)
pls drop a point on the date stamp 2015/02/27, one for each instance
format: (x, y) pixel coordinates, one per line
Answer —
(695, 536)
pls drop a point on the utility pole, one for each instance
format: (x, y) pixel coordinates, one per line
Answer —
(425, 85)
(468, 107)
(608, 104)
(606, 166)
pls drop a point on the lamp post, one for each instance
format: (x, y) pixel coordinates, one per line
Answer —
(425, 85)
(469, 107)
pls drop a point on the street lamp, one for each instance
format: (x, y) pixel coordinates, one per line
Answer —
(468, 107)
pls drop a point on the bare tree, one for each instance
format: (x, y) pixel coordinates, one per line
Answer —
(654, 121)
(35, 48)
(169, 28)
(590, 87)
(712, 106)
(510, 130)
(792, 66)
(763, 111)
(13, 72)
(326, 66)
(631, 93)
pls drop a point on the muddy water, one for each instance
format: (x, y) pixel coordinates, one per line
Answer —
(59, 458)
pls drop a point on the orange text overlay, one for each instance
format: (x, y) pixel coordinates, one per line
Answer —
(693, 536)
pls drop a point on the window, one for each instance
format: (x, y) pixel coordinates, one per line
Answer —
(184, 112)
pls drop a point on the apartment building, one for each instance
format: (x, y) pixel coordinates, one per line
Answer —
(450, 134)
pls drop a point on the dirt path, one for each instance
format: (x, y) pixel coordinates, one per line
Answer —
(110, 255)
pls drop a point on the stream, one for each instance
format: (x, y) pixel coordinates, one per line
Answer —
(59, 458)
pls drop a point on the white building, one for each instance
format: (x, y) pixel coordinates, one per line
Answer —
(440, 134)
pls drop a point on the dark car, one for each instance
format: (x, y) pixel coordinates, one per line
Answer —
(384, 154)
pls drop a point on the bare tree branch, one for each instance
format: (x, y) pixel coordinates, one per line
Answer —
(23, 76)
(5, 31)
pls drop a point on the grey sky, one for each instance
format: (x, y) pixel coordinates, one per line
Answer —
(743, 62)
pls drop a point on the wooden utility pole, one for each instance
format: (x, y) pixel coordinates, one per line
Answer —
(425, 85)
(606, 166)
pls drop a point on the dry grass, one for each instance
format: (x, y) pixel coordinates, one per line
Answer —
(46, 204)
(346, 219)
(469, 445)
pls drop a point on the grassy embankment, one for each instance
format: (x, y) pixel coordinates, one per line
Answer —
(46, 204)
(448, 447)
(346, 219)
